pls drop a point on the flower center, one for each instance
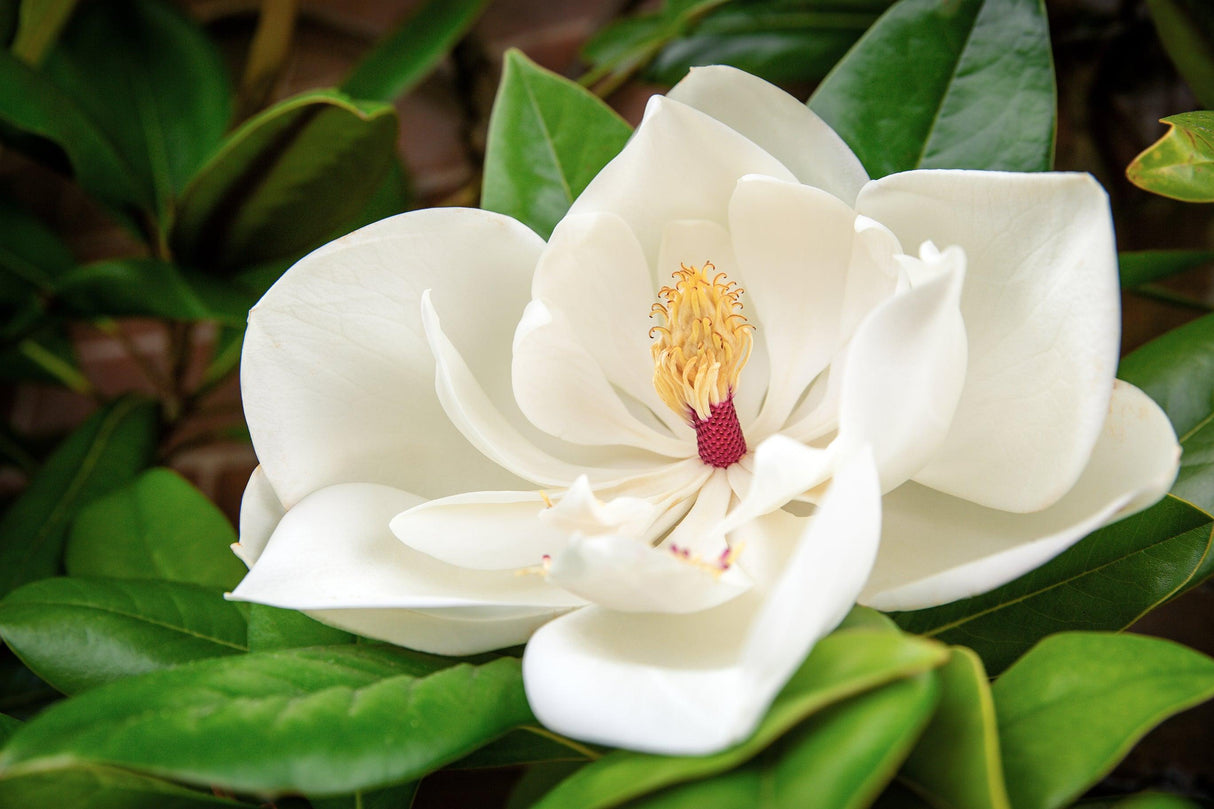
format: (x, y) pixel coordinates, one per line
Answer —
(697, 356)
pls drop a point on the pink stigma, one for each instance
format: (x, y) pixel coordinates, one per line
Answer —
(719, 437)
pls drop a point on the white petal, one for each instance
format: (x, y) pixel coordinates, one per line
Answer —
(700, 531)
(783, 469)
(444, 632)
(562, 390)
(260, 513)
(679, 164)
(937, 548)
(1041, 309)
(334, 550)
(336, 376)
(794, 246)
(779, 123)
(905, 370)
(578, 510)
(694, 684)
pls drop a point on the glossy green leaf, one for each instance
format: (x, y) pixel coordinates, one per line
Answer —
(1186, 28)
(8, 726)
(258, 199)
(957, 762)
(1072, 707)
(399, 796)
(151, 80)
(321, 721)
(1144, 266)
(77, 634)
(273, 628)
(1177, 371)
(548, 138)
(38, 26)
(158, 526)
(960, 85)
(1106, 581)
(842, 665)
(406, 55)
(838, 759)
(145, 287)
(99, 787)
(105, 452)
(1179, 165)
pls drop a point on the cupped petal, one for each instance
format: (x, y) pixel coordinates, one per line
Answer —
(260, 513)
(905, 370)
(937, 548)
(1041, 309)
(336, 376)
(562, 390)
(694, 684)
(679, 164)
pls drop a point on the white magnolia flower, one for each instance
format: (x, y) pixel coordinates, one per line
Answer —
(467, 434)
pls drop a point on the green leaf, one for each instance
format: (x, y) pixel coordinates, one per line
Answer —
(956, 762)
(151, 80)
(8, 726)
(103, 453)
(537, 781)
(405, 56)
(146, 287)
(961, 85)
(1186, 28)
(527, 745)
(1179, 165)
(394, 797)
(157, 526)
(93, 786)
(548, 138)
(321, 721)
(838, 759)
(1106, 581)
(1153, 800)
(842, 665)
(38, 26)
(78, 634)
(22, 694)
(32, 256)
(1075, 705)
(273, 628)
(1177, 371)
(1140, 267)
(258, 198)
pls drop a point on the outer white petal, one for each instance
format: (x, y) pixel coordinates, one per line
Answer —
(445, 632)
(560, 387)
(782, 125)
(904, 372)
(938, 548)
(1041, 309)
(334, 550)
(260, 513)
(694, 684)
(680, 164)
(336, 376)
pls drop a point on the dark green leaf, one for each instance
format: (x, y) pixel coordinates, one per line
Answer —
(405, 56)
(842, 665)
(548, 138)
(1144, 266)
(537, 781)
(38, 26)
(1186, 28)
(962, 85)
(1106, 581)
(145, 287)
(8, 726)
(32, 256)
(321, 721)
(283, 181)
(92, 786)
(106, 451)
(22, 694)
(527, 745)
(273, 628)
(1179, 165)
(152, 82)
(157, 526)
(394, 797)
(1154, 800)
(957, 762)
(81, 633)
(1071, 708)
(46, 354)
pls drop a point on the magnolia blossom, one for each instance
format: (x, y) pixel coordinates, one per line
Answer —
(740, 387)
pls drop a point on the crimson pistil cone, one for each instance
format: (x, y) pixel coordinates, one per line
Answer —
(719, 437)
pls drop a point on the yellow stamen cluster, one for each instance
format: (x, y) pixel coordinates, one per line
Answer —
(704, 344)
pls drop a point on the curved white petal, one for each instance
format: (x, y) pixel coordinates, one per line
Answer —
(937, 548)
(334, 550)
(694, 684)
(444, 632)
(679, 164)
(260, 513)
(699, 532)
(905, 370)
(783, 470)
(336, 377)
(562, 390)
(1041, 309)
(785, 127)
